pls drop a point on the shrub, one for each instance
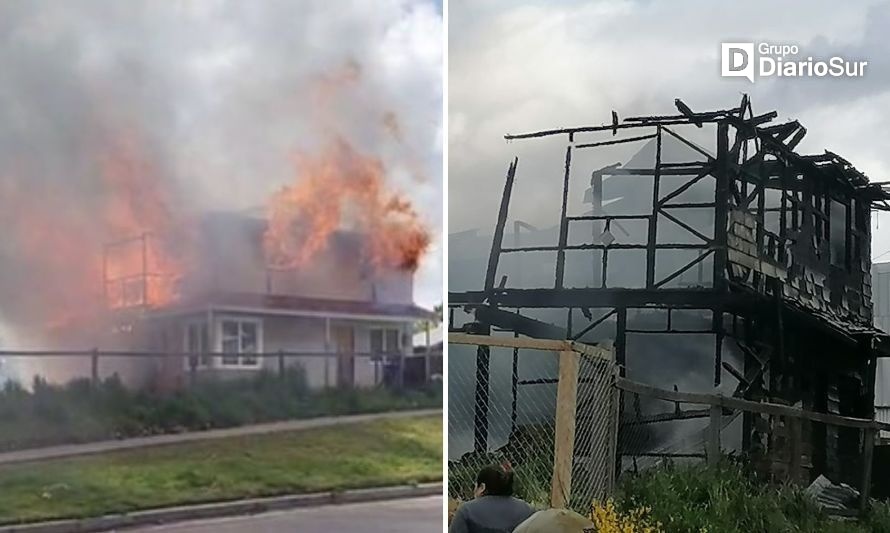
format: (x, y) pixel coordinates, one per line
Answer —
(81, 411)
(698, 498)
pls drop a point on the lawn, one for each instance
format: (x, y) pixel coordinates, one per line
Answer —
(360, 455)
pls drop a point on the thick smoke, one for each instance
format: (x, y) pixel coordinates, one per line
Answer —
(123, 117)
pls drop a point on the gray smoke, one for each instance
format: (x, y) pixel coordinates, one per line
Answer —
(206, 103)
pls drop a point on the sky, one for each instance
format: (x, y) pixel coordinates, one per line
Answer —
(223, 93)
(518, 66)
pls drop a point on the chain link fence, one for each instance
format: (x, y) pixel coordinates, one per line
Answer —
(548, 408)
(570, 428)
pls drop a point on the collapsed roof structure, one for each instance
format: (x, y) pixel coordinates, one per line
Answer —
(779, 247)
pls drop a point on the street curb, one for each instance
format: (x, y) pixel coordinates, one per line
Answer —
(224, 509)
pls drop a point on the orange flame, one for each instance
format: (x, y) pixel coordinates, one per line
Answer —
(338, 188)
(58, 233)
(143, 269)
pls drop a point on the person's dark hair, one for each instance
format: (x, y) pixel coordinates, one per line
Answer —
(498, 480)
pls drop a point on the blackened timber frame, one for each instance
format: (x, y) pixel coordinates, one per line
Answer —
(743, 179)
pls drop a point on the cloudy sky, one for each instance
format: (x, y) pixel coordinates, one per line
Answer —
(223, 93)
(517, 66)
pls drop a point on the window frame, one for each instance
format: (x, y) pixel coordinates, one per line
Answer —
(242, 359)
(204, 341)
(384, 340)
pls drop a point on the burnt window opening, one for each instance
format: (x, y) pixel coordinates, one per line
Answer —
(838, 231)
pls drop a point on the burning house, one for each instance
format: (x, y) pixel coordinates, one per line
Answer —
(234, 306)
(715, 257)
(322, 278)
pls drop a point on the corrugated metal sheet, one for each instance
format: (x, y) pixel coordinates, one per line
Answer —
(831, 496)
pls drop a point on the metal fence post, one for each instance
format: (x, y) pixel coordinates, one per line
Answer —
(94, 370)
(281, 363)
(564, 441)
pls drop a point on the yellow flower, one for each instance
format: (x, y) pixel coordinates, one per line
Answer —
(608, 519)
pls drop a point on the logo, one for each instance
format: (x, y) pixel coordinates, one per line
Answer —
(765, 60)
(737, 60)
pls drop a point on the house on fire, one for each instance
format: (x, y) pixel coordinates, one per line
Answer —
(345, 322)
(716, 257)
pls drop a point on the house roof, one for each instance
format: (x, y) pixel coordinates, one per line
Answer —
(298, 305)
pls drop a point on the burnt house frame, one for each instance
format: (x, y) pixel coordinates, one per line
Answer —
(788, 258)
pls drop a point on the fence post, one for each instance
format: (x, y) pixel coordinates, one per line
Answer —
(796, 448)
(94, 370)
(281, 363)
(867, 456)
(716, 417)
(615, 425)
(193, 368)
(564, 441)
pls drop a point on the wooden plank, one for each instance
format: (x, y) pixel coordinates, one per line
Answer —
(564, 443)
(746, 405)
(531, 344)
(716, 420)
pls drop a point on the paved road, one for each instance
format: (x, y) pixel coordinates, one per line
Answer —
(418, 515)
(68, 450)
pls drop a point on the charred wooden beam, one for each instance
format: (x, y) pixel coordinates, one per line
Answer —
(563, 222)
(798, 136)
(497, 240)
(707, 116)
(687, 112)
(696, 298)
(686, 414)
(593, 324)
(616, 141)
(665, 171)
(590, 129)
(517, 323)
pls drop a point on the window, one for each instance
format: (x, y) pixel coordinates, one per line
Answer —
(385, 341)
(240, 341)
(197, 344)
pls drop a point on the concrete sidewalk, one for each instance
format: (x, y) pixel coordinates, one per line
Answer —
(410, 515)
(92, 448)
(208, 516)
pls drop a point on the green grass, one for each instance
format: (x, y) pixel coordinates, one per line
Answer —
(358, 455)
(696, 498)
